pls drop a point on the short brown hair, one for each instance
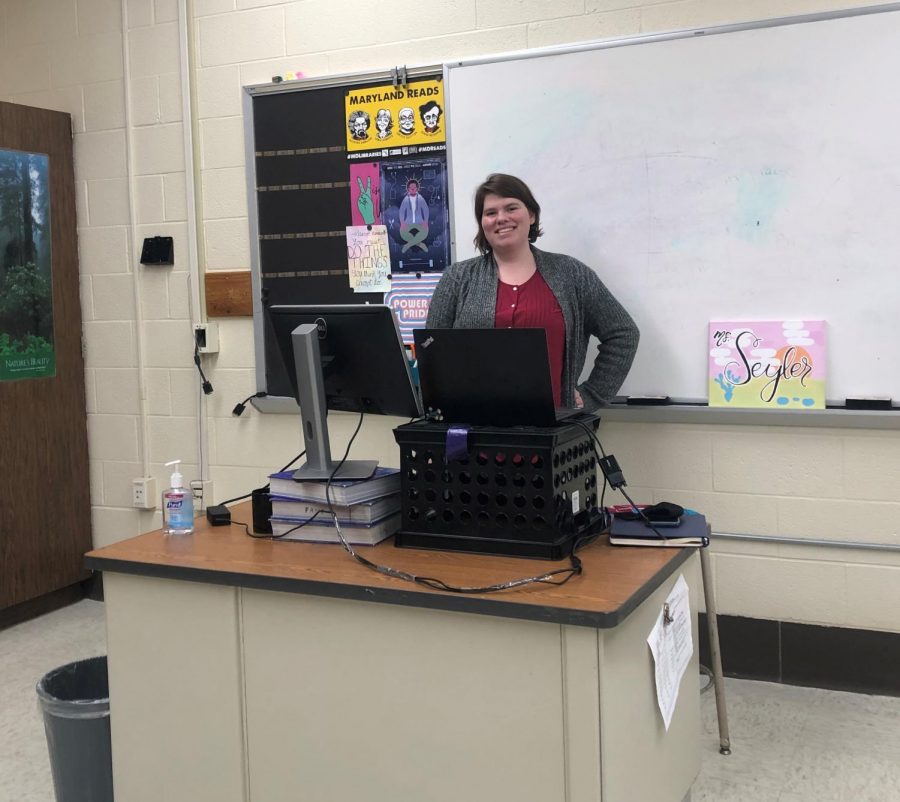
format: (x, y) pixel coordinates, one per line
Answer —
(506, 186)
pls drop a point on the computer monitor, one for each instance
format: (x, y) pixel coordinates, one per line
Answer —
(348, 358)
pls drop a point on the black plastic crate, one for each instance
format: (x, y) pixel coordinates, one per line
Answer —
(519, 491)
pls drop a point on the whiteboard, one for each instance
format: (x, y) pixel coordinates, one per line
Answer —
(747, 173)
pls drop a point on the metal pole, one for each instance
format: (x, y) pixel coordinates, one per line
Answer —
(714, 651)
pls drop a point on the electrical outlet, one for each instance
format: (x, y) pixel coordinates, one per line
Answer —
(202, 490)
(206, 338)
(143, 493)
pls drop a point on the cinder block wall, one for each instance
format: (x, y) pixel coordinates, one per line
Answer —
(88, 57)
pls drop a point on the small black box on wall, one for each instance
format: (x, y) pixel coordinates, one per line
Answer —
(158, 251)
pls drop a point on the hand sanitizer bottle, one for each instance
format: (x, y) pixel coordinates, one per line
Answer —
(177, 505)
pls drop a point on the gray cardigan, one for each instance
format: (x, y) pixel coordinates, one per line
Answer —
(466, 297)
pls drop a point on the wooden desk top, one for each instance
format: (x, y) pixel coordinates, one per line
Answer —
(615, 580)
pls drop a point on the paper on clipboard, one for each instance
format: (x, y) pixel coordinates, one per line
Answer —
(672, 645)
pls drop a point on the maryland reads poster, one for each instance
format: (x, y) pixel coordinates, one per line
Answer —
(26, 299)
(390, 120)
(776, 364)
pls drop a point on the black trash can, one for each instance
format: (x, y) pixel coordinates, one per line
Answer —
(74, 700)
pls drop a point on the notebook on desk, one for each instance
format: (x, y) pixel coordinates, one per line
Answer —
(488, 377)
(692, 531)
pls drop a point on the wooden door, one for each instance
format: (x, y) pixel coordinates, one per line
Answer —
(45, 514)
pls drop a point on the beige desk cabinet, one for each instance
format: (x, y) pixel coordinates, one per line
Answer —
(248, 670)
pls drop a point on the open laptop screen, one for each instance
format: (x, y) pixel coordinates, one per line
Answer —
(490, 377)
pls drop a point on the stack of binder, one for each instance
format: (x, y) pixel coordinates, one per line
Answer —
(368, 510)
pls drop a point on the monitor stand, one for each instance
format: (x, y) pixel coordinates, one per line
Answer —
(313, 412)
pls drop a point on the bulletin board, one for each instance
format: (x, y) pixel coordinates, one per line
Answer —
(746, 172)
(347, 182)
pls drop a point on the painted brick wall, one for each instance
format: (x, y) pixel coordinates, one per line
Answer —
(81, 57)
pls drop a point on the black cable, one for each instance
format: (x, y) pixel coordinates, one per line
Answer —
(327, 498)
(644, 518)
(204, 382)
(237, 498)
(595, 444)
(275, 537)
(593, 435)
(264, 487)
(574, 569)
(548, 577)
(301, 454)
(242, 405)
(619, 487)
(248, 531)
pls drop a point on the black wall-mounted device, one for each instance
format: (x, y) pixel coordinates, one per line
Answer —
(158, 251)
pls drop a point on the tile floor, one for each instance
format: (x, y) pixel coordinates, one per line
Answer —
(789, 744)
(27, 652)
(792, 744)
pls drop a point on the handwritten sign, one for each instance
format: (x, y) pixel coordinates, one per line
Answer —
(368, 258)
(767, 364)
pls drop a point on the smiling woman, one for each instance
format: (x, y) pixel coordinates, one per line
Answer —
(515, 285)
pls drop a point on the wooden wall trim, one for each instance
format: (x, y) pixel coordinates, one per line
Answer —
(228, 293)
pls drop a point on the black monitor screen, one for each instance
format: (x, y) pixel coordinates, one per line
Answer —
(363, 359)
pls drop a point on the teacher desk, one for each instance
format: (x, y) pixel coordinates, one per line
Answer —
(252, 669)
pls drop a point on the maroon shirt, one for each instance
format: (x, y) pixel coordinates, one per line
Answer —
(533, 305)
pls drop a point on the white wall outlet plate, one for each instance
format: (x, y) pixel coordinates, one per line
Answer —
(143, 493)
(206, 337)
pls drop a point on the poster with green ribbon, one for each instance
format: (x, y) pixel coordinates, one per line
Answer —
(26, 297)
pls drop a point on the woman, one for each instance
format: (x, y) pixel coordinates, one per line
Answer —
(384, 123)
(513, 284)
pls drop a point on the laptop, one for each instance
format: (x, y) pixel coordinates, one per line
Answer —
(488, 377)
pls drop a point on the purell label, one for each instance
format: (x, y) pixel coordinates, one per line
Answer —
(179, 512)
